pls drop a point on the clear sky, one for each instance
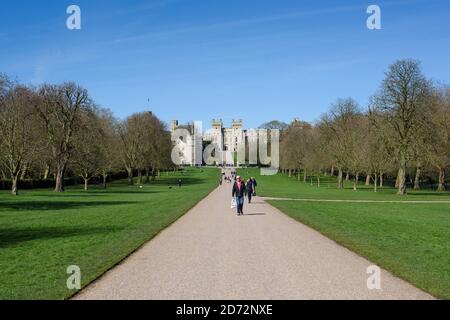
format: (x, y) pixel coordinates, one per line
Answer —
(257, 60)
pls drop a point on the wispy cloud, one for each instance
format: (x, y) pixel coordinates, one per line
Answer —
(259, 20)
(333, 65)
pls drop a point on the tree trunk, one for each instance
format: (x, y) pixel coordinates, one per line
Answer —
(417, 178)
(368, 180)
(59, 185)
(340, 179)
(347, 176)
(24, 172)
(46, 172)
(381, 179)
(375, 182)
(15, 189)
(290, 173)
(318, 181)
(402, 177)
(139, 182)
(355, 182)
(332, 171)
(441, 187)
(147, 175)
(105, 177)
(130, 176)
(305, 176)
(86, 184)
(397, 180)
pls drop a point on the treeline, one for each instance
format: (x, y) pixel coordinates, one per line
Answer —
(404, 132)
(57, 131)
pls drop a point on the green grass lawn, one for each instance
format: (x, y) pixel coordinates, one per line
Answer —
(42, 233)
(284, 187)
(410, 240)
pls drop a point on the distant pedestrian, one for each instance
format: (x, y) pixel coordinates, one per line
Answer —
(179, 183)
(255, 184)
(249, 187)
(239, 191)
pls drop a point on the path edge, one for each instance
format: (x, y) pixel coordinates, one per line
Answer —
(71, 297)
(393, 274)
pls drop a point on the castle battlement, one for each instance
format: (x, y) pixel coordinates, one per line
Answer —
(225, 138)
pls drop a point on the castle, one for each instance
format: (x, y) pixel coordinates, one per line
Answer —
(226, 140)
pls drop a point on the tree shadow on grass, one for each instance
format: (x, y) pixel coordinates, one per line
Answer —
(186, 181)
(56, 205)
(430, 193)
(69, 195)
(134, 192)
(13, 236)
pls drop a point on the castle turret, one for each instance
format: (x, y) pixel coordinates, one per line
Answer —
(217, 124)
(237, 124)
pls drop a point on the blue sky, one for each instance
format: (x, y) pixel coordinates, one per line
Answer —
(201, 59)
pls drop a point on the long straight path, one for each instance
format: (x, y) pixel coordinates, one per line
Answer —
(210, 253)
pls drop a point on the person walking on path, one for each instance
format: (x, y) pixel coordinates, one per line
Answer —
(250, 190)
(255, 184)
(239, 191)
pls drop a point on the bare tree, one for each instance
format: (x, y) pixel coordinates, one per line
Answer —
(145, 143)
(87, 157)
(402, 100)
(17, 142)
(440, 143)
(60, 109)
(107, 145)
(338, 126)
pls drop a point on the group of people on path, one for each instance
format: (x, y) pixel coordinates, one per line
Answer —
(241, 189)
(228, 179)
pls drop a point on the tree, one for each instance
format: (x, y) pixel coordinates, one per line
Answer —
(357, 147)
(401, 100)
(338, 127)
(17, 141)
(60, 109)
(295, 144)
(377, 153)
(88, 157)
(145, 144)
(130, 137)
(440, 142)
(108, 144)
(274, 124)
(159, 146)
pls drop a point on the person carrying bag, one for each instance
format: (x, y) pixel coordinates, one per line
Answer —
(239, 192)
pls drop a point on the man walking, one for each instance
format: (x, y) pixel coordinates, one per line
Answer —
(250, 190)
(254, 184)
(239, 191)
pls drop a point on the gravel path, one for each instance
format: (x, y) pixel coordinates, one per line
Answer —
(210, 253)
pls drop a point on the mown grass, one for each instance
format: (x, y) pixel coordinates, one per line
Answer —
(282, 186)
(42, 233)
(409, 239)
